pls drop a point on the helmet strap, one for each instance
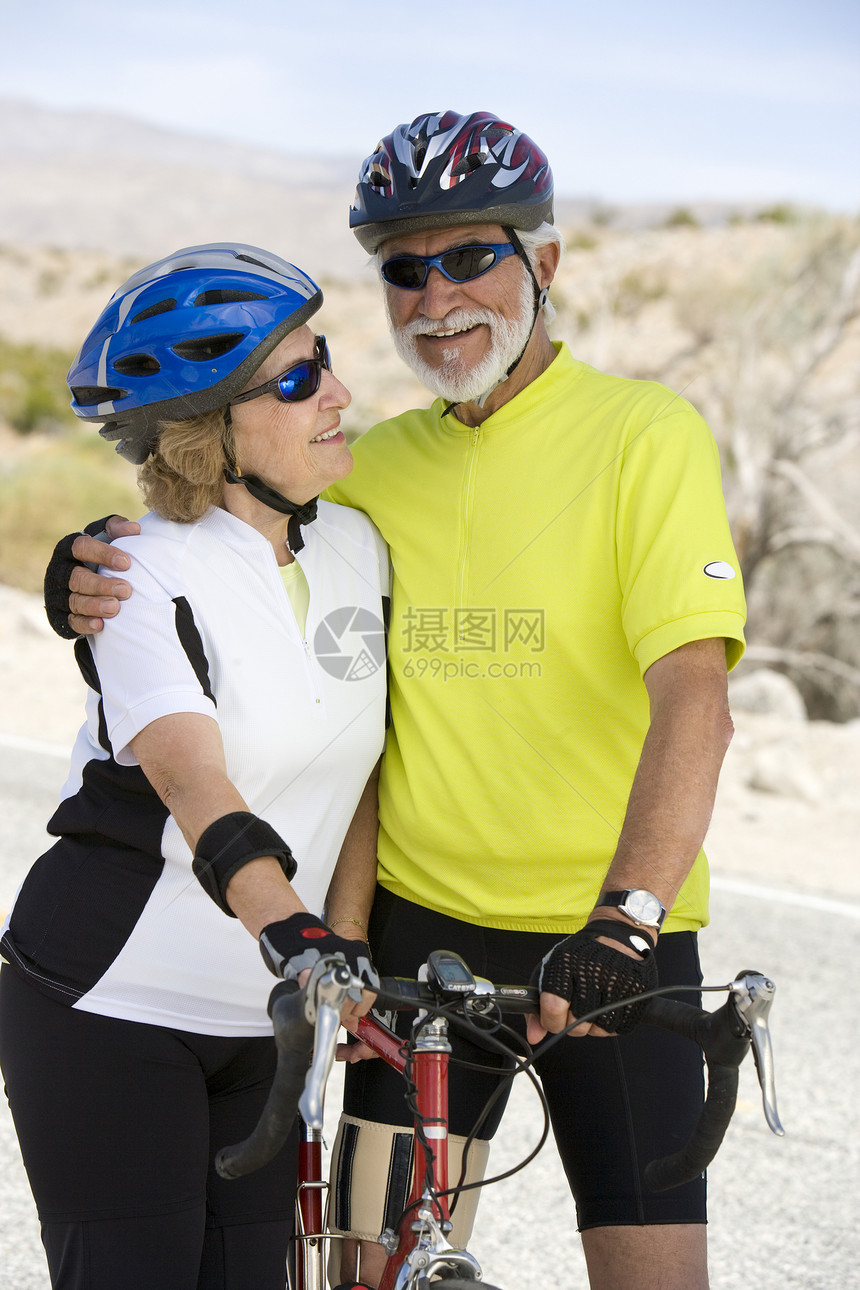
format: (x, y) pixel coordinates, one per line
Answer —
(299, 514)
(540, 296)
(304, 513)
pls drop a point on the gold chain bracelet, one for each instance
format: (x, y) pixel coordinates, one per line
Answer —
(361, 927)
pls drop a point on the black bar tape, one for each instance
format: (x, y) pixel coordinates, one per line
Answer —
(693, 1159)
(231, 842)
(724, 1038)
(294, 1037)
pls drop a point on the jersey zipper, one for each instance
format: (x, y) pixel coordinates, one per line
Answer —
(467, 507)
(311, 666)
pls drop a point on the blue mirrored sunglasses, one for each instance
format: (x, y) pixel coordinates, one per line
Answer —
(459, 264)
(298, 382)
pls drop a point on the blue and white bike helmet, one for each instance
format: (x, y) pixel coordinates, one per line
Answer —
(183, 336)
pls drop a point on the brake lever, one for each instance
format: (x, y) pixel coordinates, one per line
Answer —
(326, 990)
(752, 994)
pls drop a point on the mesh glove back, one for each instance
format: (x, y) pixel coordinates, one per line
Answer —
(592, 975)
(300, 941)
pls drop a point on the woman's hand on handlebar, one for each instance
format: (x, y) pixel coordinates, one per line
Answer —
(292, 946)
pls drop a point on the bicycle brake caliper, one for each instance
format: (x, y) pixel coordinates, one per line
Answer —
(434, 1254)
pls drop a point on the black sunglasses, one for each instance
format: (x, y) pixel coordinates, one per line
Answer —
(298, 382)
(460, 264)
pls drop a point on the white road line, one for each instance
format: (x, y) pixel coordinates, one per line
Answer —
(734, 886)
(782, 896)
(22, 744)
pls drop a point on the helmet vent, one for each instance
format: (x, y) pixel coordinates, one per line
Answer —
(87, 395)
(466, 165)
(226, 296)
(378, 176)
(202, 348)
(137, 365)
(249, 259)
(163, 307)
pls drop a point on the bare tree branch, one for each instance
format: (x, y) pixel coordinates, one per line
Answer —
(804, 661)
(822, 506)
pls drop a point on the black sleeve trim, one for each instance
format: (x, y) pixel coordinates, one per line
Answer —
(192, 643)
(88, 670)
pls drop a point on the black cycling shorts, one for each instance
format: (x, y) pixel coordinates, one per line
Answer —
(615, 1103)
(119, 1123)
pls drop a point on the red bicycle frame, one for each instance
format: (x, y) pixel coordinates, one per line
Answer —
(429, 1072)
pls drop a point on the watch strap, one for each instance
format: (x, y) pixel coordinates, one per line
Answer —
(620, 898)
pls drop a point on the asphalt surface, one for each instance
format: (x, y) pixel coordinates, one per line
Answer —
(783, 1211)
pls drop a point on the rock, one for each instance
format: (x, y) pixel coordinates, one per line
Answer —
(767, 692)
(777, 768)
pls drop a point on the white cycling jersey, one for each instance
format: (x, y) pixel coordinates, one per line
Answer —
(111, 919)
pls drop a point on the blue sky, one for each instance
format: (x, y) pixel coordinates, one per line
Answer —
(633, 101)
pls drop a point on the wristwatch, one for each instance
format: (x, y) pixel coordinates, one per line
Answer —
(641, 906)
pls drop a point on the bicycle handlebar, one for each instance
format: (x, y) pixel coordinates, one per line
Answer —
(306, 1021)
(294, 1036)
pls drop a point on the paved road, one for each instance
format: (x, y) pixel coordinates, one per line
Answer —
(783, 1212)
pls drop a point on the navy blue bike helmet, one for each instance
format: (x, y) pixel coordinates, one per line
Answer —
(183, 336)
(446, 169)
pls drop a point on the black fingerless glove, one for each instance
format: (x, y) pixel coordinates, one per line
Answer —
(300, 941)
(57, 576)
(592, 975)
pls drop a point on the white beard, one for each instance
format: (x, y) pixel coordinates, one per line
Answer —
(453, 380)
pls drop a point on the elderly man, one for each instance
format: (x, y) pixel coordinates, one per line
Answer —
(565, 606)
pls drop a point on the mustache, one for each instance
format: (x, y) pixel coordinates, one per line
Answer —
(456, 320)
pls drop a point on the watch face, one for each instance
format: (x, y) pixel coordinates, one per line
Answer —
(644, 907)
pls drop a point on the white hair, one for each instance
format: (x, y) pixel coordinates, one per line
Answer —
(532, 241)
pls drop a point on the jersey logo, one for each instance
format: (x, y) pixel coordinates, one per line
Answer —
(719, 569)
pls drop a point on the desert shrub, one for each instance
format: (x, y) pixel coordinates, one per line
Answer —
(681, 217)
(54, 488)
(33, 392)
(781, 213)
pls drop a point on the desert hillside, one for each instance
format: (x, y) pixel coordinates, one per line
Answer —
(754, 315)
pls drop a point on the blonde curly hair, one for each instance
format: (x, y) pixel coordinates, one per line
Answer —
(184, 474)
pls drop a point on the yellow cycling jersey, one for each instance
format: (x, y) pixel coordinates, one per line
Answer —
(541, 563)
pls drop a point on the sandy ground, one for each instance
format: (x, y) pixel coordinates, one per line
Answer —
(788, 810)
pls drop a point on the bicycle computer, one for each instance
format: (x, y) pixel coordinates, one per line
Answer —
(447, 970)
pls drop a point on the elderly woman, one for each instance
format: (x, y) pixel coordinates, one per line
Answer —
(223, 784)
